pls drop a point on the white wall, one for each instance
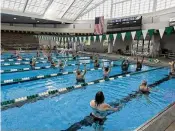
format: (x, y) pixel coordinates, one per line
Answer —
(168, 42)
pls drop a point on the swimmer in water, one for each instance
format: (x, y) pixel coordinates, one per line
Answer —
(139, 64)
(38, 53)
(61, 65)
(80, 76)
(49, 58)
(96, 64)
(32, 63)
(106, 71)
(100, 108)
(125, 65)
(53, 64)
(144, 88)
(172, 68)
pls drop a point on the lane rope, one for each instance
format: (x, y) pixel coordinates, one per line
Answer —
(24, 79)
(88, 120)
(37, 62)
(39, 68)
(27, 99)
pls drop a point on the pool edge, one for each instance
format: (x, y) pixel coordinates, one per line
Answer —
(161, 121)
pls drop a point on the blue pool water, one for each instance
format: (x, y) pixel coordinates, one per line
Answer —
(60, 112)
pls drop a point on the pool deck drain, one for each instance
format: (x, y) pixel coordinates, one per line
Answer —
(27, 99)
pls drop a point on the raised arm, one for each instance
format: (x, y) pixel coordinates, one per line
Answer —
(84, 70)
(142, 59)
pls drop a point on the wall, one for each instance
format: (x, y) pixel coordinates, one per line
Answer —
(96, 47)
(11, 40)
(168, 42)
(120, 44)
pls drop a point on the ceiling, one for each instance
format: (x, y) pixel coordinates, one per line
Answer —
(7, 18)
(71, 10)
(50, 9)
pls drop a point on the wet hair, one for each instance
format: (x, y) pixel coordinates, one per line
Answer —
(99, 98)
(96, 61)
(144, 83)
(78, 72)
(106, 68)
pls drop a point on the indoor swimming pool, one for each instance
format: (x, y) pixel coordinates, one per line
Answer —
(70, 111)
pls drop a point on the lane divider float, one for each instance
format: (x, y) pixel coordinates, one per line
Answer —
(13, 81)
(33, 98)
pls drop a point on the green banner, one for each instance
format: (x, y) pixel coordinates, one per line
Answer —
(104, 37)
(111, 37)
(119, 35)
(128, 35)
(169, 30)
(138, 34)
(150, 32)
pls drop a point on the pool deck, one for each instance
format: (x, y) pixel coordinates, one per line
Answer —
(163, 61)
(163, 121)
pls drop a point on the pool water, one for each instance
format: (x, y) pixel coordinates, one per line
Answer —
(63, 111)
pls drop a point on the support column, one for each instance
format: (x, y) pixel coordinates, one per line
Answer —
(155, 45)
(110, 47)
(74, 46)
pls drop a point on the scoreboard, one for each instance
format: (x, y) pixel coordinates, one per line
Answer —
(124, 24)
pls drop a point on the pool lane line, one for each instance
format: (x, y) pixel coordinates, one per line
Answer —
(39, 68)
(32, 98)
(37, 58)
(28, 62)
(88, 120)
(25, 79)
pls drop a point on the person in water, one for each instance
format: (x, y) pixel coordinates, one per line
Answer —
(172, 68)
(32, 63)
(106, 71)
(125, 65)
(61, 65)
(96, 64)
(38, 53)
(80, 76)
(100, 108)
(139, 64)
(143, 87)
(53, 64)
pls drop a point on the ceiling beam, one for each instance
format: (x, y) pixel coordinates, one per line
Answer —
(68, 8)
(83, 9)
(51, 1)
(25, 6)
(90, 9)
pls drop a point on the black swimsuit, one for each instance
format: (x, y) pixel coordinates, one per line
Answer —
(80, 80)
(139, 66)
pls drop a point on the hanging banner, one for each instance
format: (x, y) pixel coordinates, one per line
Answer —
(115, 35)
(123, 36)
(100, 36)
(119, 36)
(89, 38)
(107, 37)
(138, 34)
(95, 38)
(169, 30)
(133, 34)
(161, 32)
(150, 32)
(84, 38)
(144, 32)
